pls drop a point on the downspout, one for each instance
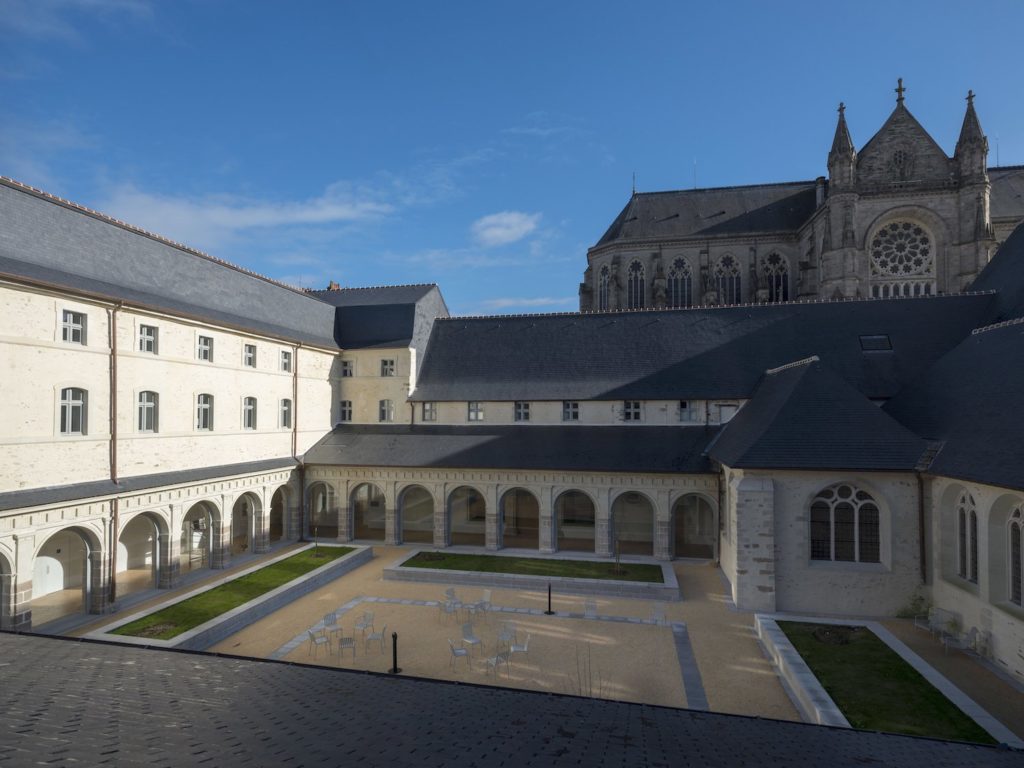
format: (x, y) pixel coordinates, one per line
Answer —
(922, 553)
(295, 403)
(114, 505)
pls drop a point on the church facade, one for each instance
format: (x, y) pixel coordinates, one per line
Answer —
(170, 413)
(899, 217)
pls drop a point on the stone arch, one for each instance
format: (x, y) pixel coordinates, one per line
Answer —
(575, 513)
(369, 512)
(322, 504)
(467, 514)
(632, 523)
(416, 514)
(694, 526)
(941, 273)
(847, 522)
(945, 518)
(141, 555)
(280, 505)
(1000, 572)
(7, 590)
(200, 544)
(246, 523)
(67, 575)
(519, 519)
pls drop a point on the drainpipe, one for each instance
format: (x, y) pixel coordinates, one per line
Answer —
(302, 502)
(295, 402)
(115, 524)
(922, 553)
(114, 506)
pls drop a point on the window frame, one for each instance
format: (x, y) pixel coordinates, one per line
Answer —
(69, 404)
(204, 412)
(632, 411)
(570, 410)
(248, 355)
(250, 416)
(204, 348)
(285, 413)
(475, 410)
(428, 411)
(521, 410)
(147, 412)
(345, 411)
(348, 369)
(72, 323)
(388, 368)
(148, 338)
(687, 412)
(859, 530)
(1015, 560)
(385, 411)
(286, 360)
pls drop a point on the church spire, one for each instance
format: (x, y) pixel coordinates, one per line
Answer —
(900, 90)
(971, 152)
(842, 158)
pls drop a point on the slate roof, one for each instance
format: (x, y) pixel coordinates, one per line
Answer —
(714, 211)
(568, 448)
(699, 353)
(973, 400)
(1005, 275)
(803, 416)
(44, 237)
(373, 295)
(1007, 198)
(87, 703)
(56, 494)
(384, 316)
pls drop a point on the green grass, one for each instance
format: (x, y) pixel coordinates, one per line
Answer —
(181, 617)
(875, 688)
(532, 566)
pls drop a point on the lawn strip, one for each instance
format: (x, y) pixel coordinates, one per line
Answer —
(874, 687)
(174, 619)
(533, 566)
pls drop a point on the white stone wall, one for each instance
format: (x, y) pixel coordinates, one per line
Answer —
(591, 412)
(983, 605)
(366, 387)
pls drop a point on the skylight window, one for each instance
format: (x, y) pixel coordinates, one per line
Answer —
(879, 343)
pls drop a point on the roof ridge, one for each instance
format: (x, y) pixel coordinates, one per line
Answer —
(802, 302)
(368, 287)
(794, 364)
(1003, 324)
(731, 186)
(1005, 168)
(78, 207)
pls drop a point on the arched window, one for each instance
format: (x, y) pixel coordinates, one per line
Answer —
(776, 272)
(727, 280)
(635, 286)
(148, 411)
(845, 526)
(1015, 554)
(604, 277)
(680, 284)
(73, 403)
(967, 538)
(902, 260)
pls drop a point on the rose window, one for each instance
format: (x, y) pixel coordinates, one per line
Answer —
(901, 249)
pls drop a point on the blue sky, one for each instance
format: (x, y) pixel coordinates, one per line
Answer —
(480, 147)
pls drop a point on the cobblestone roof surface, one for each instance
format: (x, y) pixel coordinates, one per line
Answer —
(70, 703)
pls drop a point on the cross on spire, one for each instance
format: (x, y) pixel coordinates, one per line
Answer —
(842, 108)
(970, 98)
(899, 91)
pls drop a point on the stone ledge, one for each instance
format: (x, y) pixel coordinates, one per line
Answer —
(815, 705)
(642, 590)
(214, 631)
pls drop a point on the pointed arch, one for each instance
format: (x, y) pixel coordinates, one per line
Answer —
(727, 279)
(776, 272)
(603, 283)
(636, 293)
(680, 284)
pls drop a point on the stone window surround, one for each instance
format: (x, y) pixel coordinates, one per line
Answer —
(74, 323)
(148, 338)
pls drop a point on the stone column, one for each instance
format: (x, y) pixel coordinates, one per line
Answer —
(603, 544)
(220, 543)
(344, 514)
(662, 536)
(493, 521)
(754, 587)
(441, 522)
(260, 529)
(21, 597)
(546, 536)
(170, 560)
(99, 582)
(392, 527)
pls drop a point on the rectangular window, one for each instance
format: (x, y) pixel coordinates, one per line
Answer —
(631, 410)
(286, 361)
(204, 349)
(522, 412)
(475, 410)
(386, 410)
(726, 412)
(687, 411)
(249, 413)
(570, 410)
(346, 369)
(73, 327)
(204, 413)
(73, 411)
(249, 355)
(430, 412)
(387, 367)
(345, 410)
(148, 402)
(147, 339)
(286, 414)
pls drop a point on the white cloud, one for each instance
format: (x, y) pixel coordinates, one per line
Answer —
(42, 19)
(543, 301)
(211, 221)
(27, 150)
(504, 228)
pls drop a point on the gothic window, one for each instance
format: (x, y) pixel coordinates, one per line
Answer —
(680, 284)
(902, 261)
(845, 526)
(967, 538)
(1015, 554)
(635, 286)
(602, 288)
(727, 280)
(776, 272)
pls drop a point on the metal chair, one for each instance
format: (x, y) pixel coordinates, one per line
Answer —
(491, 664)
(470, 638)
(507, 635)
(315, 641)
(346, 643)
(331, 627)
(365, 623)
(523, 649)
(458, 653)
(483, 605)
(376, 637)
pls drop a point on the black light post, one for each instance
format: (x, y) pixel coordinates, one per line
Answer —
(549, 612)
(394, 655)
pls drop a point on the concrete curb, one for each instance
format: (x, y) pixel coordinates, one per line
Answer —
(815, 705)
(669, 591)
(237, 619)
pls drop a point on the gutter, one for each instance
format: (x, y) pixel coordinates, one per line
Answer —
(115, 518)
